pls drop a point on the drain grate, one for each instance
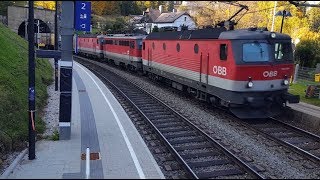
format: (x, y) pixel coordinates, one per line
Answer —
(93, 156)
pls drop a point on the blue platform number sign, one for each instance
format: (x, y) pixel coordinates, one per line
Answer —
(83, 15)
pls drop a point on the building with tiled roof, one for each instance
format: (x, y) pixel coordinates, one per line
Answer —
(175, 19)
(155, 17)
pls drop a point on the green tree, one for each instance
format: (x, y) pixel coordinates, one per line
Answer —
(98, 7)
(126, 7)
(118, 26)
(306, 53)
(314, 19)
(141, 5)
(112, 7)
(155, 29)
(170, 6)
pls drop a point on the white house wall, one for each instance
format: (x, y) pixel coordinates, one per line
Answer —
(178, 22)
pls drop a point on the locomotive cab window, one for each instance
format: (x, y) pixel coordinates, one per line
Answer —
(223, 51)
(283, 51)
(255, 52)
(139, 43)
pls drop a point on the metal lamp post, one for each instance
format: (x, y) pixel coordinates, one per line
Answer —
(38, 31)
(283, 13)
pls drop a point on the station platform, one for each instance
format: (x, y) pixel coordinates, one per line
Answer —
(100, 123)
(306, 108)
(303, 115)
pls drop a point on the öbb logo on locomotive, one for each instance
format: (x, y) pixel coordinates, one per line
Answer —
(220, 70)
(270, 73)
(247, 61)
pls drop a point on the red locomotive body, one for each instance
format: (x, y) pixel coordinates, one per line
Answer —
(244, 70)
(124, 50)
(89, 44)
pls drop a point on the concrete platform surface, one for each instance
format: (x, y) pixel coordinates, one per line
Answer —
(306, 108)
(100, 123)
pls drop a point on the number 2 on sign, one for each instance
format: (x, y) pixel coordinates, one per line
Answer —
(83, 6)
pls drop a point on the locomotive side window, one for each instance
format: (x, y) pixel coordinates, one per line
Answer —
(196, 48)
(139, 44)
(283, 51)
(178, 47)
(223, 51)
(255, 52)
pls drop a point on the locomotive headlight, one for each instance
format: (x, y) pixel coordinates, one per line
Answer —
(285, 82)
(250, 84)
(273, 35)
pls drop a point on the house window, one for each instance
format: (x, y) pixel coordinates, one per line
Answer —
(223, 51)
(185, 18)
(143, 45)
(196, 48)
(164, 46)
(153, 46)
(178, 47)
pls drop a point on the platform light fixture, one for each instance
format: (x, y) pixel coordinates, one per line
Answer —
(283, 13)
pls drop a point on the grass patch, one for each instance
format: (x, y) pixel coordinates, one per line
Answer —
(55, 135)
(299, 89)
(14, 86)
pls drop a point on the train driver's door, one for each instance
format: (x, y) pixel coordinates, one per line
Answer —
(204, 63)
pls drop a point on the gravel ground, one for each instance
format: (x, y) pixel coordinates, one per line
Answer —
(274, 159)
(51, 111)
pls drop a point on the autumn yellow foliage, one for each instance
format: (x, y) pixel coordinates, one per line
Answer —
(45, 4)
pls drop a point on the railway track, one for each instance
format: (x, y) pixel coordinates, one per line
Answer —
(198, 154)
(296, 139)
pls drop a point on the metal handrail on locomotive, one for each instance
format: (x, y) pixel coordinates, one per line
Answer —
(246, 70)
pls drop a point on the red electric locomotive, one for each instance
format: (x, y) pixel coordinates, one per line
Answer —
(245, 70)
(90, 45)
(124, 50)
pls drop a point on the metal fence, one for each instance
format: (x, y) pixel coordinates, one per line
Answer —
(305, 73)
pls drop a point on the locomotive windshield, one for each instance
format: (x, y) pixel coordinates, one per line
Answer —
(266, 52)
(256, 52)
